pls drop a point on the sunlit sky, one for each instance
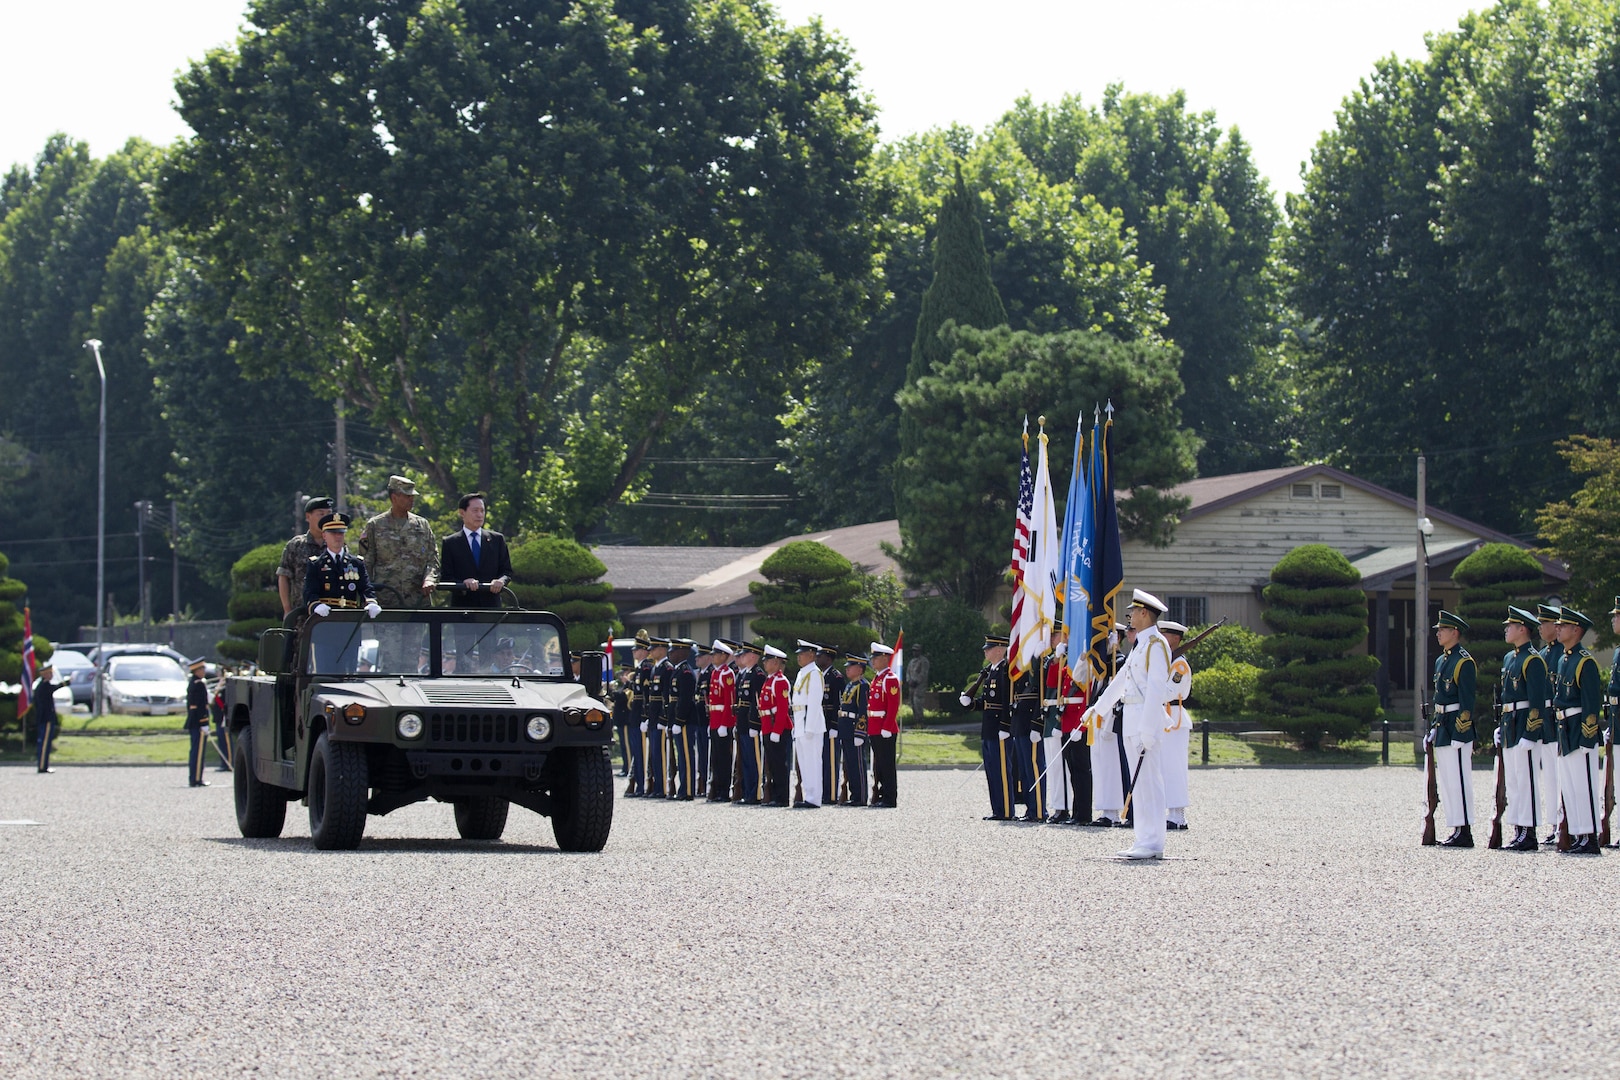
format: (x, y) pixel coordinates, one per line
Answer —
(103, 70)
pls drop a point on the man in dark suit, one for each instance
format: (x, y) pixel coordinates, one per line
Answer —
(475, 556)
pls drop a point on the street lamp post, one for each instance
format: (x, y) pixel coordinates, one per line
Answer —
(101, 530)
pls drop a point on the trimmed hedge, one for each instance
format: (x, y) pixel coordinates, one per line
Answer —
(1319, 615)
(1231, 643)
(255, 603)
(810, 592)
(951, 634)
(1492, 578)
(1224, 688)
(556, 574)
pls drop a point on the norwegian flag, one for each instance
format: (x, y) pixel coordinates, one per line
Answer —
(25, 697)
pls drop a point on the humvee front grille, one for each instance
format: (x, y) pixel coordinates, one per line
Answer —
(467, 693)
(473, 729)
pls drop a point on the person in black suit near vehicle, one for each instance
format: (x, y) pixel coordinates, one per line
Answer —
(473, 556)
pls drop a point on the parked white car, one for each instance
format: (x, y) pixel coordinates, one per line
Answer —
(145, 684)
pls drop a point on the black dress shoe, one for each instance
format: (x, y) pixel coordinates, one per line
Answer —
(1551, 841)
(993, 817)
(1525, 841)
(1103, 822)
(1081, 821)
(1459, 838)
(1059, 817)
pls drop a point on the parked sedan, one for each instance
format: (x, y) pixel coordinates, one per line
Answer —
(145, 684)
(75, 669)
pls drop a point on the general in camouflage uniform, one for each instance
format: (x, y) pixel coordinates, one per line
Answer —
(401, 552)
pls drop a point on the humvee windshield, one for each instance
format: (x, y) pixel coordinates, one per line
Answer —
(515, 645)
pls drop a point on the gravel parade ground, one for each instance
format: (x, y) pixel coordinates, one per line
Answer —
(1299, 930)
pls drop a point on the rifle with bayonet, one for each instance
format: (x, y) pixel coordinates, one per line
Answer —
(1608, 777)
(1501, 770)
(1192, 643)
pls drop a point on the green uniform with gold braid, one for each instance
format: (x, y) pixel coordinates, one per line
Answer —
(1453, 733)
(1578, 706)
(1525, 695)
(1544, 743)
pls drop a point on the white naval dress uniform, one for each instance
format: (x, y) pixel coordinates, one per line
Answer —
(1178, 738)
(809, 730)
(1144, 687)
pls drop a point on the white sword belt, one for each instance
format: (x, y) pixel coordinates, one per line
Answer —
(1444, 710)
(1565, 714)
(1515, 706)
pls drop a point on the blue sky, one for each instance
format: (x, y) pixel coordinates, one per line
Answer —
(103, 70)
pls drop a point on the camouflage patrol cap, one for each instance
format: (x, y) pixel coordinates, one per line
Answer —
(402, 485)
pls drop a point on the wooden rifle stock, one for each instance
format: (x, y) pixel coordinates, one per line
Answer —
(1608, 784)
(1433, 794)
(1192, 643)
(1564, 841)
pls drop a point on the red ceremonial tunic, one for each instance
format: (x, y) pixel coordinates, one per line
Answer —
(1070, 696)
(723, 698)
(776, 705)
(883, 704)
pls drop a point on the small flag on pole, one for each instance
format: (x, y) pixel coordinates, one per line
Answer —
(25, 696)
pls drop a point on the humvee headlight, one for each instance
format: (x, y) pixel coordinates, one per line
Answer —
(594, 718)
(539, 728)
(409, 725)
(354, 713)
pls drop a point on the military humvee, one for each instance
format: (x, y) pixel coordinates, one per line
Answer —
(475, 708)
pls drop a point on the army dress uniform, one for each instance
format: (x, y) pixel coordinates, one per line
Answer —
(699, 726)
(1452, 731)
(849, 728)
(832, 686)
(619, 698)
(683, 715)
(883, 730)
(659, 684)
(721, 704)
(401, 553)
(776, 728)
(1026, 743)
(993, 698)
(1544, 743)
(197, 725)
(1578, 705)
(1525, 693)
(640, 695)
(337, 579)
(750, 745)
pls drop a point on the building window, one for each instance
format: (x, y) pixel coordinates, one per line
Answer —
(683, 630)
(736, 628)
(1332, 491)
(1188, 610)
(1302, 491)
(663, 629)
(714, 629)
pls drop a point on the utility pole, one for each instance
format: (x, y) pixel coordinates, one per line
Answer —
(341, 459)
(101, 532)
(298, 513)
(1420, 626)
(143, 508)
(174, 558)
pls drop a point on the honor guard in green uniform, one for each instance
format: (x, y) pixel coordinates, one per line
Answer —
(401, 552)
(1525, 694)
(1544, 743)
(1611, 693)
(1453, 729)
(1578, 706)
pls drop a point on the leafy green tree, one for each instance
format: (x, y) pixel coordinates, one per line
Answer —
(951, 634)
(485, 192)
(1492, 578)
(1231, 644)
(886, 598)
(959, 538)
(1579, 531)
(1319, 614)
(255, 605)
(560, 575)
(811, 592)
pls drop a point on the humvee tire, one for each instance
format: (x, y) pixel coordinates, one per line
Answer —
(338, 789)
(261, 809)
(582, 798)
(481, 817)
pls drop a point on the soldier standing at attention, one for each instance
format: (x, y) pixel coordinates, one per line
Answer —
(1110, 775)
(1177, 730)
(704, 657)
(809, 723)
(1611, 695)
(45, 715)
(652, 718)
(1452, 730)
(197, 724)
(1025, 743)
(993, 695)
(721, 704)
(1578, 700)
(1075, 769)
(832, 686)
(1544, 746)
(776, 725)
(681, 711)
(401, 552)
(883, 726)
(750, 754)
(295, 559)
(619, 692)
(850, 729)
(636, 695)
(1524, 719)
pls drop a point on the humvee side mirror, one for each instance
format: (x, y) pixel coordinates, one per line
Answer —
(276, 650)
(590, 672)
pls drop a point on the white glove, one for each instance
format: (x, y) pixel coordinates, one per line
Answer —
(890, 735)
(1034, 737)
(323, 610)
(776, 736)
(644, 727)
(965, 700)
(720, 731)
(860, 742)
(373, 609)
(674, 729)
(1003, 735)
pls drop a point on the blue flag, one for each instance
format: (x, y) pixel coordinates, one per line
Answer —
(1108, 571)
(1077, 539)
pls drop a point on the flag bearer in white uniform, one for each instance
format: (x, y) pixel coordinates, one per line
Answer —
(1144, 687)
(1177, 729)
(1108, 776)
(809, 725)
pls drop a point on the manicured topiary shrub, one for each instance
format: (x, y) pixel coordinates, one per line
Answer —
(811, 592)
(1231, 643)
(1319, 614)
(1492, 578)
(556, 574)
(255, 604)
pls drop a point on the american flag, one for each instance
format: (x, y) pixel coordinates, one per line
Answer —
(25, 697)
(1021, 530)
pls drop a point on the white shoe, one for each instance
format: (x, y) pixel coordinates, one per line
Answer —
(1140, 853)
